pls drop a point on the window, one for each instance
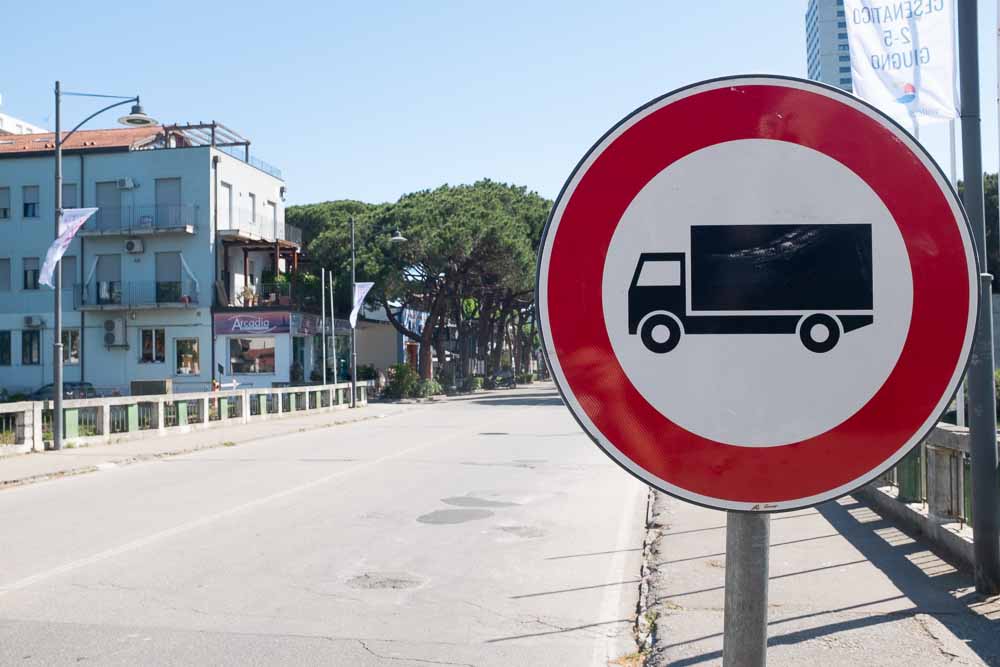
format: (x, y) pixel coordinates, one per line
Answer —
(845, 69)
(108, 200)
(4, 348)
(71, 346)
(660, 274)
(5, 275)
(253, 208)
(188, 362)
(168, 277)
(109, 279)
(168, 202)
(843, 47)
(251, 355)
(152, 346)
(225, 206)
(844, 59)
(841, 24)
(69, 195)
(845, 82)
(29, 200)
(30, 273)
(841, 35)
(840, 13)
(31, 347)
(4, 203)
(68, 264)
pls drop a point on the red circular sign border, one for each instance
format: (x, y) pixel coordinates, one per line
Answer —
(782, 477)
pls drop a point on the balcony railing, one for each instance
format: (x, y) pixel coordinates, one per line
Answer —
(262, 294)
(260, 226)
(112, 294)
(142, 220)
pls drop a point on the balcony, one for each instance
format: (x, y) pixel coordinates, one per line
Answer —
(255, 228)
(142, 220)
(136, 295)
(262, 295)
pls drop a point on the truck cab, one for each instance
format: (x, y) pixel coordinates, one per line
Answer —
(659, 284)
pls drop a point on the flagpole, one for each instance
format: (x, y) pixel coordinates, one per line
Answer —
(354, 327)
(953, 175)
(322, 305)
(57, 351)
(333, 326)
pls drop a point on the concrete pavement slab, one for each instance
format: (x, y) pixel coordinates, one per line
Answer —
(846, 587)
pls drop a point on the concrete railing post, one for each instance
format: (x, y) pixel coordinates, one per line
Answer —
(161, 423)
(105, 411)
(37, 434)
(944, 494)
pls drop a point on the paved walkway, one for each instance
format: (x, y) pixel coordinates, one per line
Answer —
(40, 466)
(847, 588)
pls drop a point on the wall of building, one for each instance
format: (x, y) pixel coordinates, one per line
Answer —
(379, 344)
(115, 368)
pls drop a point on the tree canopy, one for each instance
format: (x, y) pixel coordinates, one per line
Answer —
(469, 256)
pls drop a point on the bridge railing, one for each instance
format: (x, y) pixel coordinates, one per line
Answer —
(930, 491)
(27, 426)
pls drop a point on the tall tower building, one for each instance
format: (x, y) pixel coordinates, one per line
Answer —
(827, 52)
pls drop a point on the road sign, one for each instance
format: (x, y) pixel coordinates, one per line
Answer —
(757, 293)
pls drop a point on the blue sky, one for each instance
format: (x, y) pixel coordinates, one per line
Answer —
(370, 101)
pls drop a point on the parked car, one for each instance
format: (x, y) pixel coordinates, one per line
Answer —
(70, 390)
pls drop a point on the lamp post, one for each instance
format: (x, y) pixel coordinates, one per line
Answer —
(396, 238)
(136, 118)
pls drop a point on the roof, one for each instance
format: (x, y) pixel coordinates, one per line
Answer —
(125, 138)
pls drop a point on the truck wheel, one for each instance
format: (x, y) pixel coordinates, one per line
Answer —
(819, 333)
(660, 333)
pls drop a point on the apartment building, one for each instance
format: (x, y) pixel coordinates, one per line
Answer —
(828, 54)
(182, 276)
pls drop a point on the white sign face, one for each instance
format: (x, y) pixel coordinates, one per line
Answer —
(755, 390)
(903, 57)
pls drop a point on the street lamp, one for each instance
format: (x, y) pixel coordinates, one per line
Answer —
(136, 118)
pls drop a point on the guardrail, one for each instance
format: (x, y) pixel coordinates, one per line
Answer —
(27, 426)
(930, 491)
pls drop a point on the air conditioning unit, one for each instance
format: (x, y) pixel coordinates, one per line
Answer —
(33, 322)
(133, 246)
(125, 184)
(114, 332)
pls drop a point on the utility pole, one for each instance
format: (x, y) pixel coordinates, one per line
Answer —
(982, 393)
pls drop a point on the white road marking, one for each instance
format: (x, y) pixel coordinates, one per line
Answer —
(611, 602)
(204, 521)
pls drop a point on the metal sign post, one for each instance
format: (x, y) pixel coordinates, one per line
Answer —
(744, 642)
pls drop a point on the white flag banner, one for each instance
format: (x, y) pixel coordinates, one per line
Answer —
(360, 292)
(69, 225)
(903, 57)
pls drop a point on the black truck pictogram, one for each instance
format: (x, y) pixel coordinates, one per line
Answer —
(815, 280)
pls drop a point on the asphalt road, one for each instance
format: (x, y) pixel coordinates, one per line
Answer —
(480, 531)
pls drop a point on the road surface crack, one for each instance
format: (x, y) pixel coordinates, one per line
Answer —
(366, 647)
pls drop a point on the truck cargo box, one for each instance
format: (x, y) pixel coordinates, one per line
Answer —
(781, 267)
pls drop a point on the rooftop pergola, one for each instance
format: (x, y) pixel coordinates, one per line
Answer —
(207, 134)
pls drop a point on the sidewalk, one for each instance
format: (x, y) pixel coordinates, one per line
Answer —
(40, 466)
(846, 588)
